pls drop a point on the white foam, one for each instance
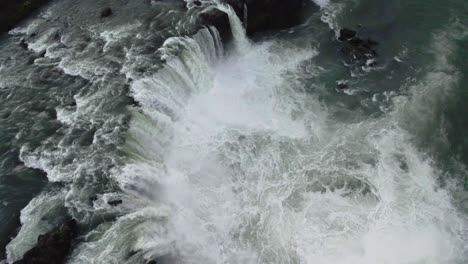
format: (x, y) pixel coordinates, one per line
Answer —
(248, 180)
(112, 36)
(232, 162)
(322, 3)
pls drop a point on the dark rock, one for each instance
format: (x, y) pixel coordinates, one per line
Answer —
(219, 19)
(13, 12)
(134, 102)
(23, 44)
(257, 15)
(263, 15)
(357, 50)
(342, 85)
(346, 34)
(52, 247)
(197, 3)
(93, 198)
(115, 202)
(106, 12)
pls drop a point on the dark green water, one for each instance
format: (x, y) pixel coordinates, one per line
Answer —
(241, 154)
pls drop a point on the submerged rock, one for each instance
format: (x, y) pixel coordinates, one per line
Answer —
(53, 247)
(341, 85)
(115, 202)
(346, 34)
(106, 12)
(23, 44)
(133, 102)
(357, 50)
(263, 15)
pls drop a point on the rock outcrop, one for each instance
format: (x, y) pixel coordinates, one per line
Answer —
(53, 247)
(357, 50)
(12, 12)
(263, 15)
(219, 19)
(257, 15)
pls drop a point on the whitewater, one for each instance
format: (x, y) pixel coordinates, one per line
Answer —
(241, 152)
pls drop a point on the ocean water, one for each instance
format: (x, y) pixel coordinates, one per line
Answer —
(239, 152)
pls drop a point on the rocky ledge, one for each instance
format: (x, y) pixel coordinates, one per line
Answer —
(257, 15)
(262, 15)
(12, 12)
(53, 247)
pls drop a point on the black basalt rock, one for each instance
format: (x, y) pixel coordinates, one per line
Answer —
(257, 15)
(346, 34)
(263, 15)
(218, 19)
(52, 247)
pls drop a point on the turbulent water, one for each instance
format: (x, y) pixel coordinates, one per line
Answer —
(239, 152)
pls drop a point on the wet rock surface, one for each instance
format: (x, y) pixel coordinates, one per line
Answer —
(219, 19)
(256, 15)
(52, 247)
(263, 15)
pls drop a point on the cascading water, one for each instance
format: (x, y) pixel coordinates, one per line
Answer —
(233, 162)
(242, 154)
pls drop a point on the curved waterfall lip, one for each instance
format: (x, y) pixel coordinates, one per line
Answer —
(247, 179)
(167, 144)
